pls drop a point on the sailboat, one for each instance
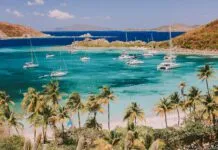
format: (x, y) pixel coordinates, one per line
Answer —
(32, 63)
(125, 55)
(72, 48)
(170, 57)
(49, 56)
(60, 72)
(169, 60)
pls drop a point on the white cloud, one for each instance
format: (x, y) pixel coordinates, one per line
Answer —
(60, 14)
(35, 2)
(38, 14)
(14, 12)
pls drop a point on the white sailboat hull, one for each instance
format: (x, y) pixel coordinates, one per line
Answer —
(30, 65)
(58, 73)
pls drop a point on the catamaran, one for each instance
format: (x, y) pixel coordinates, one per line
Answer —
(60, 72)
(150, 53)
(32, 63)
(169, 60)
(125, 56)
(170, 56)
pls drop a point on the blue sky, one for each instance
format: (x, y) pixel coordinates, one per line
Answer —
(49, 14)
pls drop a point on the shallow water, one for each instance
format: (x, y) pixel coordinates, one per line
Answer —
(142, 83)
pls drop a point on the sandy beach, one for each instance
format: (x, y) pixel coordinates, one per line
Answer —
(156, 122)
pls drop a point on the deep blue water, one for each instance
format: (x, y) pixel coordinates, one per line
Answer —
(67, 37)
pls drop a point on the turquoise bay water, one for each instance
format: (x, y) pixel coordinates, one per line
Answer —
(142, 83)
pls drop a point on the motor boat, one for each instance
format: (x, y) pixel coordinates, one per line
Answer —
(153, 52)
(167, 66)
(30, 65)
(84, 59)
(125, 56)
(148, 54)
(58, 73)
(135, 62)
(49, 56)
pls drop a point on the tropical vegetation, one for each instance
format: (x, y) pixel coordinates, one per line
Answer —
(49, 110)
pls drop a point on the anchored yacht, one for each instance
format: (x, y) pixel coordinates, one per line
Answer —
(33, 63)
(135, 62)
(85, 59)
(49, 56)
(167, 66)
(58, 73)
(30, 65)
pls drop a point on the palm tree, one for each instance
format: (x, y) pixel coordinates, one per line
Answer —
(106, 96)
(51, 90)
(134, 112)
(204, 73)
(209, 108)
(13, 121)
(5, 99)
(45, 112)
(176, 103)
(194, 97)
(61, 116)
(91, 122)
(163, 107)
(93, 106)
(75, 103)
(29, 104)
(113, 138)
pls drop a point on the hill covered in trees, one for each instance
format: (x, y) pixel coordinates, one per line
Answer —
(203, 37)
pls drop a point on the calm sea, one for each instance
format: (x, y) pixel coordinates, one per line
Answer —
(64, 38)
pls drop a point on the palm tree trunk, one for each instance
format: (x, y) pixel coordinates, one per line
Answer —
(34, 130)
(44, 130)
(214, 120)
(135, 121)
(17, 130)
(178, 115)
(79, 119)
(108, 116)
(43, 134)
(165, 115)
(62, 130)
(207, 87)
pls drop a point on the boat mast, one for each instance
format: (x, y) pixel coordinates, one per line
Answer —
(31, 52)
(170, 35)
(170, 41)
(152, 41)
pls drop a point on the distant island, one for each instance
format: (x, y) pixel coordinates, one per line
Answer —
(8, 30)
(85, 27)
(194, 41)
(175, 28)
